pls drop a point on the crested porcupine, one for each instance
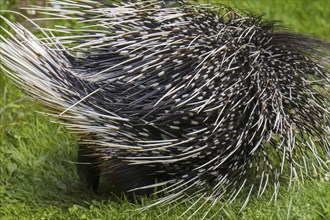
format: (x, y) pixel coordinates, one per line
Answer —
(193, 101)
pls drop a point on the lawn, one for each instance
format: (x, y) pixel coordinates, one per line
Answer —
(38, 177)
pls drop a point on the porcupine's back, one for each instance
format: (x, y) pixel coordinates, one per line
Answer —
(186, 97)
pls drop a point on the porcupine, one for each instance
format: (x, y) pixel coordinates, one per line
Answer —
(190, 100)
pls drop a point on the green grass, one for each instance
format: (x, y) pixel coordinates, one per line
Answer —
(37, 158)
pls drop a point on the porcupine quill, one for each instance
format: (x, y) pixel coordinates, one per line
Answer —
(197, 102)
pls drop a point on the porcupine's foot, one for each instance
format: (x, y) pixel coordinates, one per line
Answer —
(113, 176)
(88, 170)
(129, 180)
